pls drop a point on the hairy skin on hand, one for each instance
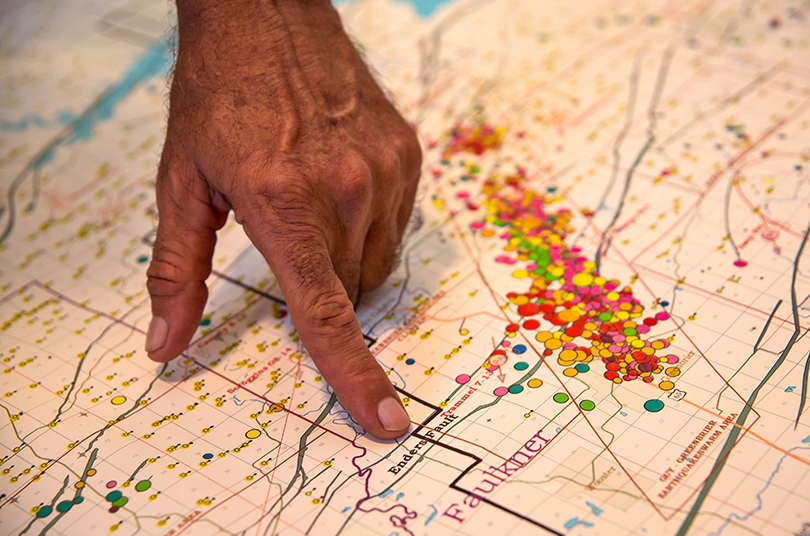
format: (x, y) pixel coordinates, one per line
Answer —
(274, 115)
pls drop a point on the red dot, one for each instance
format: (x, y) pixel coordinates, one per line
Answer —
(650, 321)
(573, 331)
(512, 328)
(612, 366)
(548, 307)
(531, 324)
(647, 379)
(547, 352)
(528, 309)
(611, 375)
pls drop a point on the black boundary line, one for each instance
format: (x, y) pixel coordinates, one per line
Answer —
(476, 460)
(436, 410)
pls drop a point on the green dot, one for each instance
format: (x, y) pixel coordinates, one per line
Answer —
(205, 321)
(629, 331)
(653, 406)
(142, 259)
(515, 389)
(143, 485)
(121, 501)
(64, 506)
(561, 398)
(582, 367)
(113, 496)
(605, 317)
(78, 500)
(44, 511)
(587, 405)
(521, 365)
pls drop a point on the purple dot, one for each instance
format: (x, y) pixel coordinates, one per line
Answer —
(500, 391)
(462, 378)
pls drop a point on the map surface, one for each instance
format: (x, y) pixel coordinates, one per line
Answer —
(598, 326)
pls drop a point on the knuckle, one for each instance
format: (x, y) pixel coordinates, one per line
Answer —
(331, 314)
(390, 158)
(163, 278)
(291, 200)
(355, 185)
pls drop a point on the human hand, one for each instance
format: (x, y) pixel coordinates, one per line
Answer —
(273, 114)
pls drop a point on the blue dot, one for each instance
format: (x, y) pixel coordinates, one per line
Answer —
(208, 456)
(410, 361)
(519, 349)
(664, 303)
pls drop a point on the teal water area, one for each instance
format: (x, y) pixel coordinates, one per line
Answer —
(424, 8)
(155, 62)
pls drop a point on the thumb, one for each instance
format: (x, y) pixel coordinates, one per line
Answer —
(181, 259)
(324, 316)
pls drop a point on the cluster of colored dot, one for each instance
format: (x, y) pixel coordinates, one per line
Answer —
(567, 291)
(117, 499)
(475, 138)
(61, 507)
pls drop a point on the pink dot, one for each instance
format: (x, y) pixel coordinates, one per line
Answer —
(613, 348)
(111, 484)
(462, 378)
(740, 263)
(618, 338)
(506, 344)
(643, 328)
(672, 359)
(503, 259)
(569, 346)
(662, 315)
(477, 225)
(500, 391)
(463, 195)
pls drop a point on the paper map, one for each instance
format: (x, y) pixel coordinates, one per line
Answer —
(600, 326)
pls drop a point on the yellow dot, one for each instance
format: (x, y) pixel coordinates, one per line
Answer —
(637, 343)
(570, 372)
(521, 300)
(118, 400)
(564, 363)
(534, 383)
(673, 371)
(582, 280)
(657, 345)
(253, 433)
(543, 336)
(622, 315)
(568, 355)
(520, 274)
(91, 472)
(568, 315)
(666, 385)
(78, 485)
(553, 344)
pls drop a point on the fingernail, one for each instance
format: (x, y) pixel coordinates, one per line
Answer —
(392, 414)
(156, 334)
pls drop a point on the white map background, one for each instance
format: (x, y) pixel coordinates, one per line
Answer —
(676, 133)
